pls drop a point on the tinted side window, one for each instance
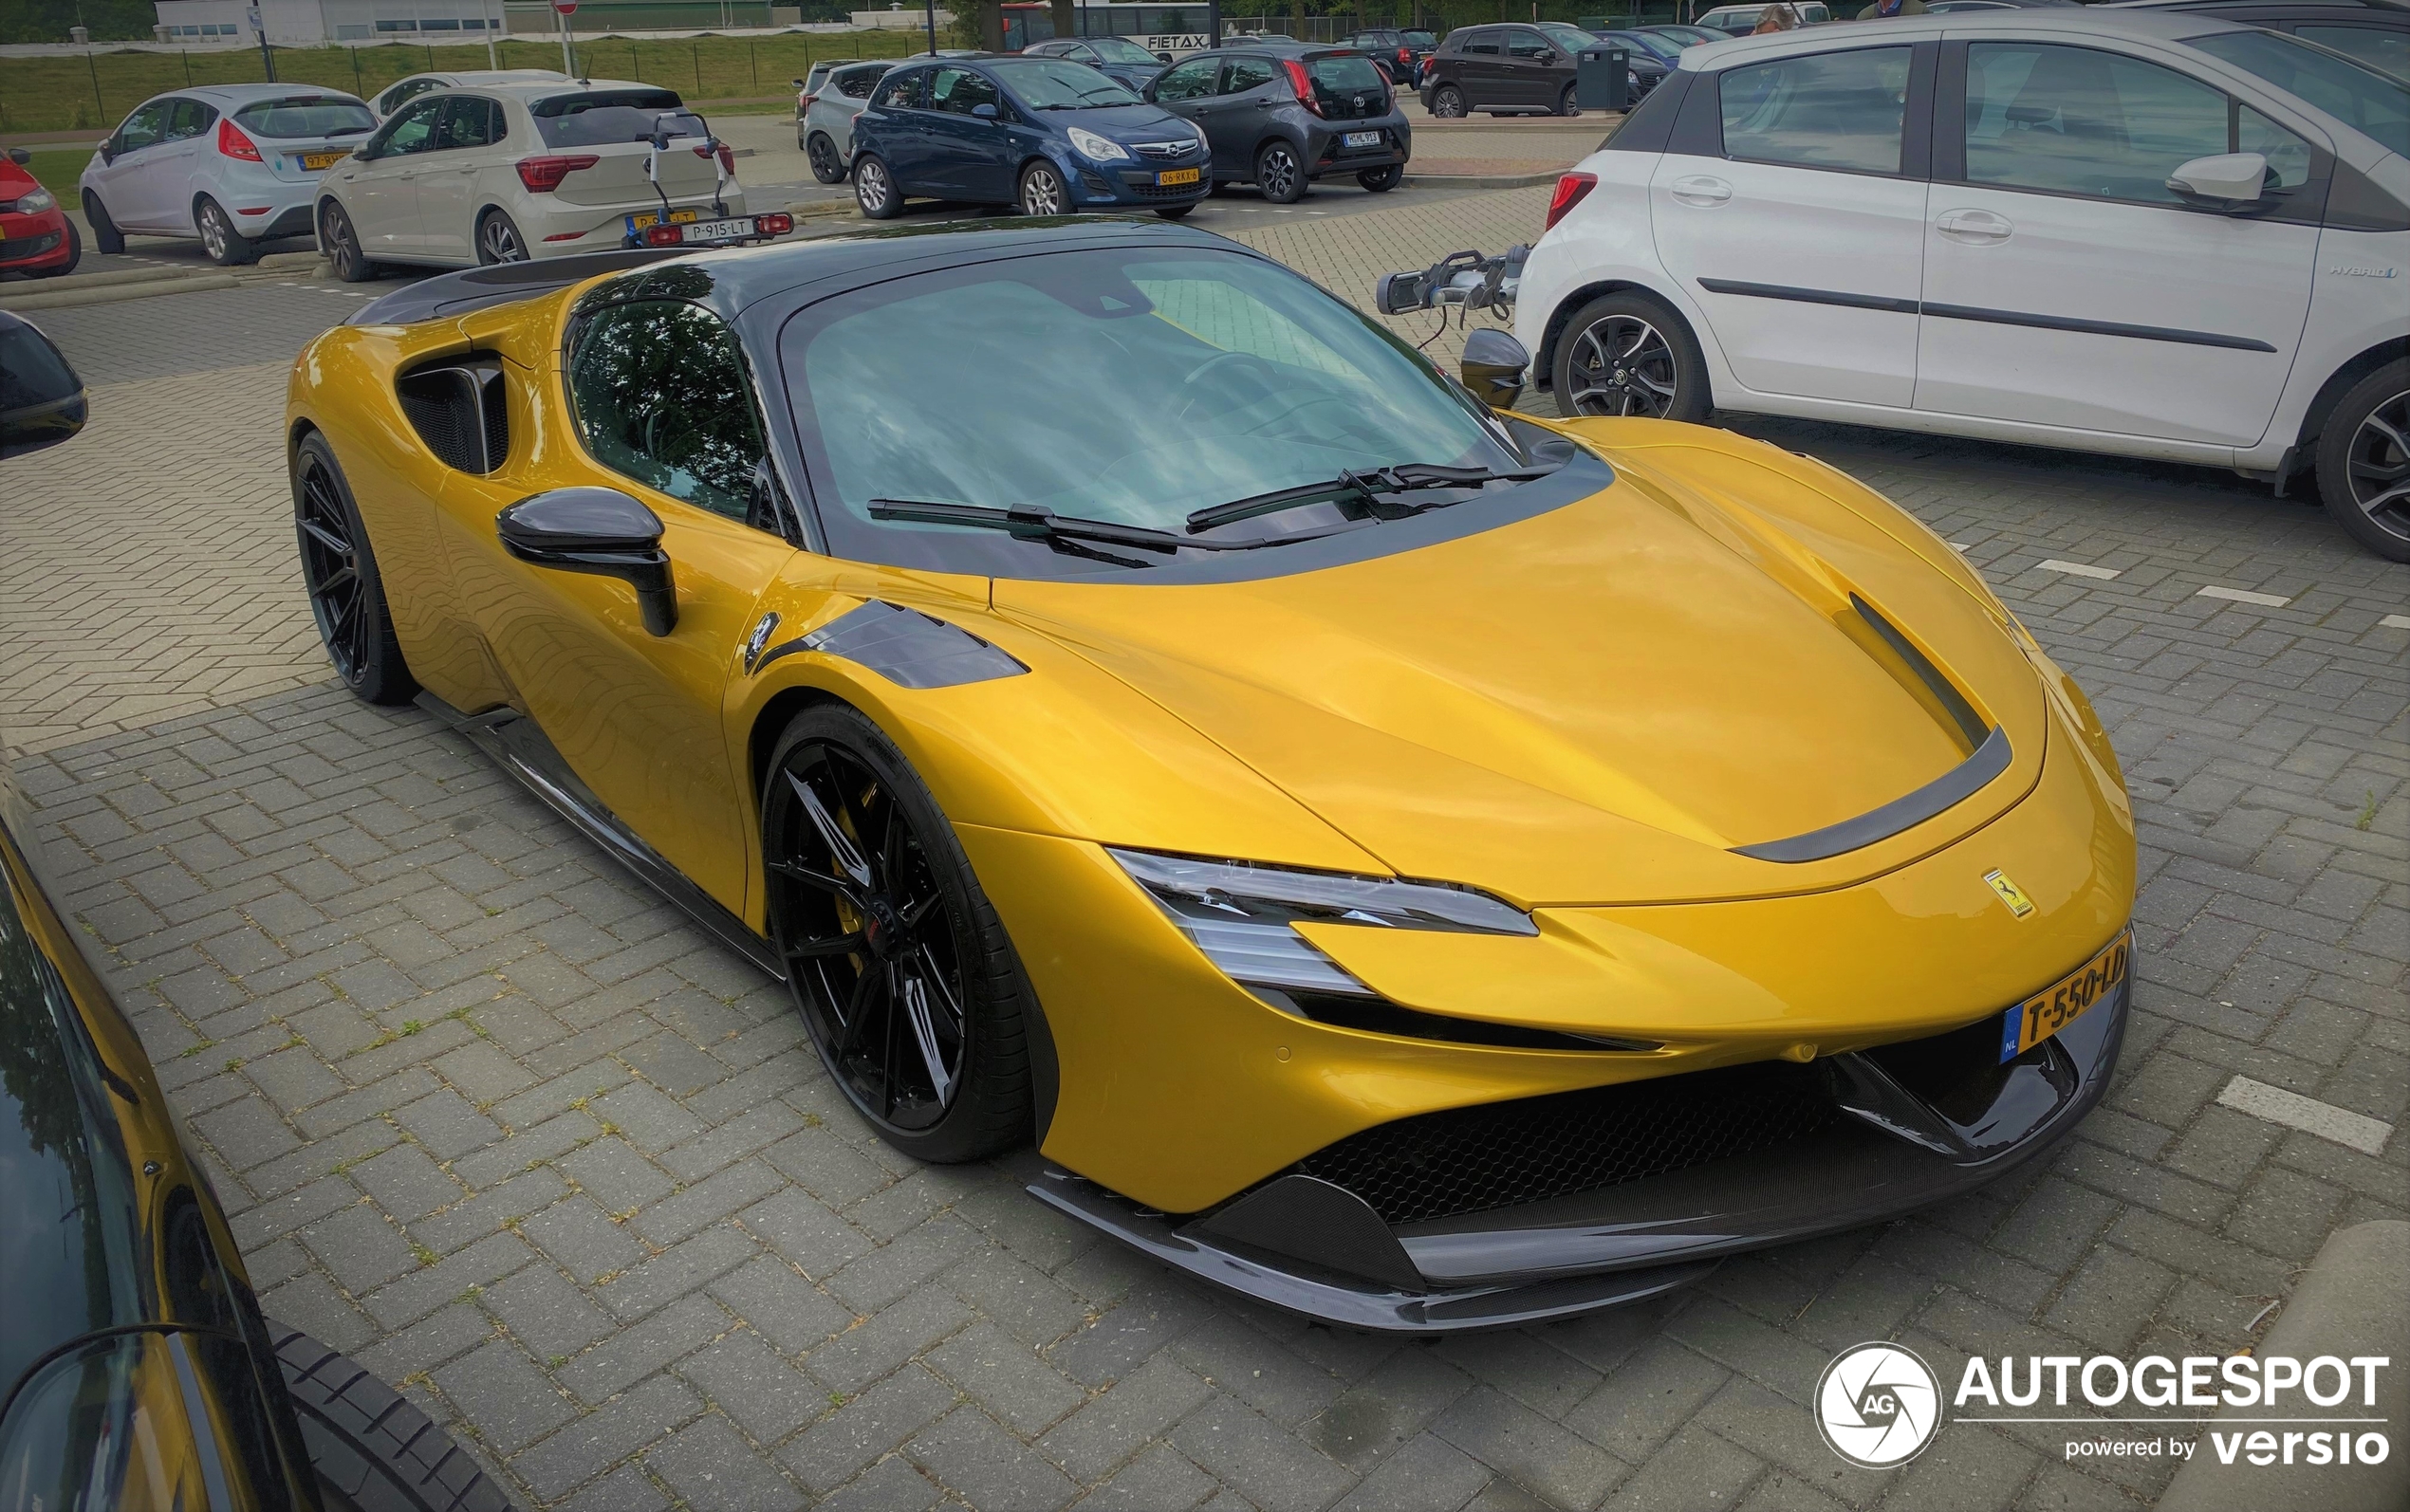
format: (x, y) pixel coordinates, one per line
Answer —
(957, 90)
(1247, 73)
(1485, 43)
(2074, 121)
(1529, 45)
(466, 122)
(900, 94)
(409, 89)
(856, 84)
(1824, 110)
(1193, 79)
(2375, 46)
(188, 117)
(144, 128)
(412, 131)
(659, 393)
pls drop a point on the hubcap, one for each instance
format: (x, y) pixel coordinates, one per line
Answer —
(872, 181)
(502, 243)
(1042, 196)
(2379, 466)
(1280, 172)
(1621, 365)
(1450, 102)
(856, 912)
(330, 570)
(212, 231)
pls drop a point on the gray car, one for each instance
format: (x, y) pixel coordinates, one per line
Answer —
(1281, 113)
(831, 96)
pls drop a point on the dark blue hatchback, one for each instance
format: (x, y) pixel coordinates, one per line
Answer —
(1047, 134)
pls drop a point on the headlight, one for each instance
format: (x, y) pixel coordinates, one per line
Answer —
(1096, 148)
(36, 203)
(1239, 915)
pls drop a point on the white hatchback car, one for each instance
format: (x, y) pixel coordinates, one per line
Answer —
(401, 92)
(2112, 231)
(515, 171)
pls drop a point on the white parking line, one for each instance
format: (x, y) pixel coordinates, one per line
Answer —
(2268, 601)
(2081, 570)
(2309, 1116)
(2396, 622)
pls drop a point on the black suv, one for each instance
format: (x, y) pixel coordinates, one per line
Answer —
(1400, 53)
(1519, 68)
(1282, 114)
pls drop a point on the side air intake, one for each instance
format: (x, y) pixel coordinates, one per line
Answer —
(458, 409)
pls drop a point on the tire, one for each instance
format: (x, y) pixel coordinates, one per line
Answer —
(1565, 105)
(107, 238)
(499, 240)
(2363, 461)
(1043, 192)
(1279, 174)
(948, 1078)
(1174, 212)
(1382, 181)
(338, 573)
(1627, 333)
(1447, 102)
(226, 246)
(875, 188)
(825, 165)
(75, 255)
(373, 1450)
(340, 243)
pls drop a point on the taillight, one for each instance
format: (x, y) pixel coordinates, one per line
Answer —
(727, 157)
(778, 223)
(234, 144)
(1304, 85)
(665, 236)
(1571, 188)
(805, 102)
(544, 174)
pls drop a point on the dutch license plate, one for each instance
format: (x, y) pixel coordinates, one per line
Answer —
(1363, 138)
(653, 217)
(2048, 1012)
(718, 231)
(314, 161)
(1176, 176)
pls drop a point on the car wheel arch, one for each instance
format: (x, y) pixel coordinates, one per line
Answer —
(1544, 360)
(2339, 382)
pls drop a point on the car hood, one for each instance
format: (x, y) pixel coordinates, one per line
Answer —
(1599, 702)
(1140, 121)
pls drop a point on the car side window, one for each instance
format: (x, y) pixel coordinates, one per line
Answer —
(187, 118)
(1484, 42)
(1530, 45)
(465, 120)
(955, 91)
(658, 390)
(1193, 79)
(859, 82)
(2374, 45)
(406, 91)
(1838, 110)
(146, 127)
(899, 93)
(2076, 121)
(1243, 74)
(2287, 154)
(413, 130)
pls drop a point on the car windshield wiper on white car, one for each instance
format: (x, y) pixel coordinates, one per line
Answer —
(1377, 485)
(1045, 525)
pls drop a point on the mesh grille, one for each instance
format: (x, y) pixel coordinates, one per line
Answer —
(1442, 1164)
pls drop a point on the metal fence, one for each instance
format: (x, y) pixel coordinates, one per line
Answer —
(1442, 18)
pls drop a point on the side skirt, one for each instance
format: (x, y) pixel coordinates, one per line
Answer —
(519, 746)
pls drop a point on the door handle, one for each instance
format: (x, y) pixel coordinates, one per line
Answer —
(1977, 228)
(1701, 191)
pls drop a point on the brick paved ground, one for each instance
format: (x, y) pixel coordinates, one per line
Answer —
(502, 1125)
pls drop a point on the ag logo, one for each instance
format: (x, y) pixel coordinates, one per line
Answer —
(1878, 1405)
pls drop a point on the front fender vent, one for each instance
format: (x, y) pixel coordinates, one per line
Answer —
(459, 409)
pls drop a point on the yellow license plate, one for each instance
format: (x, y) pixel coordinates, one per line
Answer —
(2047, 1012)
(1176, 176)
(317, 160)
(653, 217)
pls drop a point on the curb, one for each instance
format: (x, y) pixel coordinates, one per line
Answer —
(67, 298)
(2348, 1304)
(1487, 182)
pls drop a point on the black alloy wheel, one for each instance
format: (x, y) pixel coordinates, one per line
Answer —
(823, 153)
(107, 238)
(498, 239)
(1626, 354)
(339, 572)
(226, 246)
(1279, 174)
(1042, 190)
(1447, 102)
(342, 244)
(2363, 462)
(897, 963)
(1382, 181)
(873, 190)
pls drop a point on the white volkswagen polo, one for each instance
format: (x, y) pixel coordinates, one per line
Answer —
(2150, 234)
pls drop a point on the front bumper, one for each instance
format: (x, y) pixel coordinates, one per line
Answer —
(28, 243)
(1126, 184)
(1694, 1168)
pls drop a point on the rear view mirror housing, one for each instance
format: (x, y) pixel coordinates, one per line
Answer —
(1492, 367)
(985, 112)
(598, 530)
(20, 157)
(2229, 178)
(42, 402)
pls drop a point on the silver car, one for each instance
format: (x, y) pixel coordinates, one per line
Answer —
(831, 97)
(231, 164)
(396, 95)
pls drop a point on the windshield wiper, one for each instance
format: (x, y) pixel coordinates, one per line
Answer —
(1045, 525)
(1374, 485)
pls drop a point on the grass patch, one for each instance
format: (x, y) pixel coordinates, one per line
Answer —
(57, 169)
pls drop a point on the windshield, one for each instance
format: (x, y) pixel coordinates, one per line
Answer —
(1421, 39)
(1571, 38)
(1345, 73)
(305, 116)
(1661, 48)
(1120, 50)
(1058, 83)
(1130, 385)
(2377, 103)
(602, 118)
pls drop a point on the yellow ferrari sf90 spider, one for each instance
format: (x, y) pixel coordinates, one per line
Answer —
(1419, 865)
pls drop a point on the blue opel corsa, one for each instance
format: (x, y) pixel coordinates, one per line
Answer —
(1048, 135)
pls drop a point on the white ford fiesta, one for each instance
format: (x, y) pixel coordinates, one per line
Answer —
(2152, 233)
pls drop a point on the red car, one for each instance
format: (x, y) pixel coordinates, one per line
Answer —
(36, 237)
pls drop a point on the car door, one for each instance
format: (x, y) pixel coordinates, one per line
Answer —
(1530, 69)
(1245, 110)
(448, 175)
(2066, 285)
(661, 410)
(124, 184)
(177, 167)
(1803, 242)
(1481, 69)
(902, 130)
(966, 153)
(382, 193)
(1187, 90)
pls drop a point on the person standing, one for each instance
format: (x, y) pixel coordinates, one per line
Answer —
(1779, 16)
(1885, 10)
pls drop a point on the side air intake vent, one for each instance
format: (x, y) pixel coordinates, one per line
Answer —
(458, 408)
